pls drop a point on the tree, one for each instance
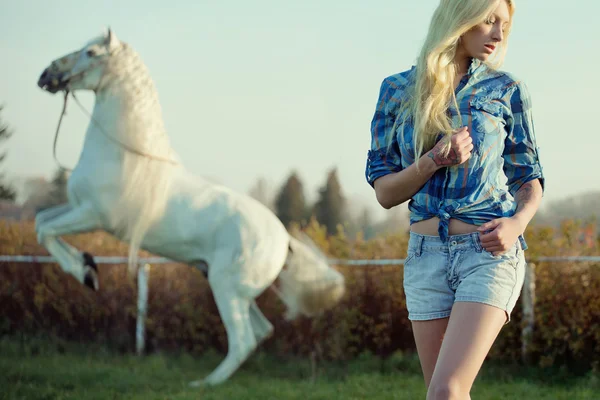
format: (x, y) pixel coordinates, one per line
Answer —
(365, 224)
(260, 191)
(394, 220)
(581, 206)
(290, 202)
(58, 195)
(6, 191)
(330, 208)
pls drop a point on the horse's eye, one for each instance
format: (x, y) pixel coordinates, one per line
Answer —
(91, 53)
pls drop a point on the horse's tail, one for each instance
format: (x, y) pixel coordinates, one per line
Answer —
(308, 284)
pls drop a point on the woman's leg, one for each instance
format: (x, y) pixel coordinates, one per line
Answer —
(472, 329)
(429, 298)
(428, 339)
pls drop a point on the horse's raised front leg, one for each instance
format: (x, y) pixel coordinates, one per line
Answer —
(64, 220)
(52, 212)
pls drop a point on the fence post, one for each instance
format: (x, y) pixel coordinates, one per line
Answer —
(528, 302)
(142, 307)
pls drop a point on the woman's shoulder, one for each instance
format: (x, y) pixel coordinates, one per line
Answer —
(399, 80)
(394, 87)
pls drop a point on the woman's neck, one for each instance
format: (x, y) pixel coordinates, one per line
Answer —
(462, 62)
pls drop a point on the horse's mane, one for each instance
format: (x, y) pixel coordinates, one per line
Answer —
(145, 181)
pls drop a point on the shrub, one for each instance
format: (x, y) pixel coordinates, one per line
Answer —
(372, 317)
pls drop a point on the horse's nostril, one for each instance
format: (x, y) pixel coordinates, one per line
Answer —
(44, 74)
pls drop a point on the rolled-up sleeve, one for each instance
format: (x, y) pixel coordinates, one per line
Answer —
(382, 160)
(521, 152)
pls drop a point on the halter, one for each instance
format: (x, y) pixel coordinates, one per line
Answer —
(118, 142)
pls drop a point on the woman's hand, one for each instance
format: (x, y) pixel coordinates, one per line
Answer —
(461, 145)
(505, 231)
(503, 234)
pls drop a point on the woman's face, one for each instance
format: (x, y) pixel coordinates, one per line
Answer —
(481, 41)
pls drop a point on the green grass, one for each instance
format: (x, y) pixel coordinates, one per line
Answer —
(44, 369)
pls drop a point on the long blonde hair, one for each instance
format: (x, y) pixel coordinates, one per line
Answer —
(432, 91)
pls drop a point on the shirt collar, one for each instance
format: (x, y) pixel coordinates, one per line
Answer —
(475, 66)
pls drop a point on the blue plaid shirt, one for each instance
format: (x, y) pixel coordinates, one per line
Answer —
(496, 107)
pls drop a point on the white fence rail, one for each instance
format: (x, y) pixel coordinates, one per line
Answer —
(527, 295)
(161, 260)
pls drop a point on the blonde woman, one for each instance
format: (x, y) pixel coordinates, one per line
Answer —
(454, 136)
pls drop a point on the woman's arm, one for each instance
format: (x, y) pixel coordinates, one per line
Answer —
(396, 188)
(523, 170)
(528, 199)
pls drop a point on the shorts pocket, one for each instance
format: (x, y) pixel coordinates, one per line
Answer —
(511, 256)
(410, 256)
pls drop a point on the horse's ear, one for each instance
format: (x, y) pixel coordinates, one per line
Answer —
(111, 38)
(107, 34)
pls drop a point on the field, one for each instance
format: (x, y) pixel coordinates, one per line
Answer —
(60, 341)
(50, 369)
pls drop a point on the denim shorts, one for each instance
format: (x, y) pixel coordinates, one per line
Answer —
(437, 274)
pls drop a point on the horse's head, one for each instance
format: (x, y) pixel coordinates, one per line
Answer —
(82, 69)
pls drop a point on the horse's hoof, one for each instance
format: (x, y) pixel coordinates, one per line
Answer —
(88, 259)
(90, 277)
(197, 384)
(265, 336)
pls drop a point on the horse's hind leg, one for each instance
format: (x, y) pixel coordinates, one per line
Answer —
(261, 326)
(235, 314)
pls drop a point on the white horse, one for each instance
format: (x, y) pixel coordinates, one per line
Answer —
(129, 183)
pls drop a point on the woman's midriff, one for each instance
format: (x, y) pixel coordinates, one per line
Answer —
(430, 227)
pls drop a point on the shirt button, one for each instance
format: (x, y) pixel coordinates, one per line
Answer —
(453, 243)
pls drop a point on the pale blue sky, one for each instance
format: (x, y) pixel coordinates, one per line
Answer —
(255, 89)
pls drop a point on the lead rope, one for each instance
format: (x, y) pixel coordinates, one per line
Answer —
(124, 146)
(62, 114)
